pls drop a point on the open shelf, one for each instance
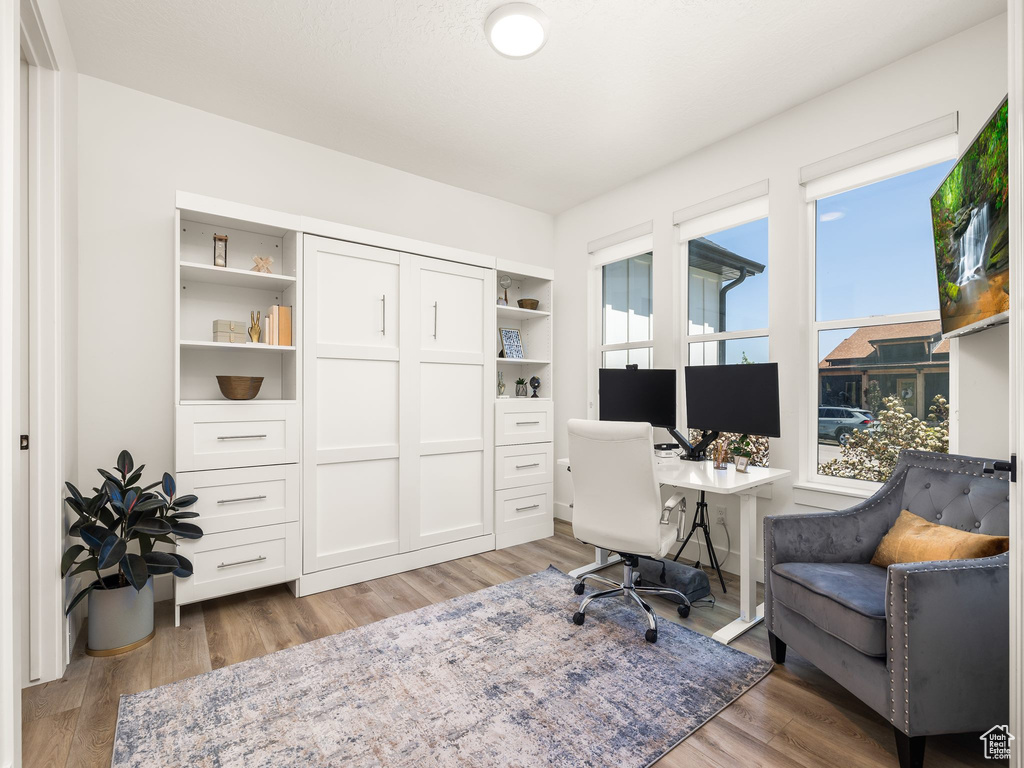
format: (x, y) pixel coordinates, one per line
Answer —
(241, 278)
(226, 401)
(515, 313)
(522, 361)
(229, 345)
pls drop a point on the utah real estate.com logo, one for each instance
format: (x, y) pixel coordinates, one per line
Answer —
(997, 742)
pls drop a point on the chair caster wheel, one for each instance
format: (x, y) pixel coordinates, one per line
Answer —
(651, 636)
(578, 588)
(683, 610)
(577, 618)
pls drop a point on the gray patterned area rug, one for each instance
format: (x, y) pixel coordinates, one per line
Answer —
(499, 677)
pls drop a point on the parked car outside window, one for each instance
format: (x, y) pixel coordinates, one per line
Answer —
(838, 423)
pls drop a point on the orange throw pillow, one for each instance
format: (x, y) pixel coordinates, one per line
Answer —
(915, 540)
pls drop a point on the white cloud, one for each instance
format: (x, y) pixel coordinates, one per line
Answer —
(831, 216)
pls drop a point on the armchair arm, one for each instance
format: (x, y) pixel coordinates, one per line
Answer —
(677, 500)
(948, 638)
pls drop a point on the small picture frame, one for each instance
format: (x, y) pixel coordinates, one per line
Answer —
(511, 343)
(741, 463)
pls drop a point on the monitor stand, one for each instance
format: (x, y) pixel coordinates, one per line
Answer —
(698, 452)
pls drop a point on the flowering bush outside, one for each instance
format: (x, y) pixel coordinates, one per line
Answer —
(872, 454)
(758, 444)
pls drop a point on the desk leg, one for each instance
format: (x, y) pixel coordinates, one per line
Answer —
(751, 614)
(602, 559)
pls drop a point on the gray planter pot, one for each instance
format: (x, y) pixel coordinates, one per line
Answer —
(120, 620)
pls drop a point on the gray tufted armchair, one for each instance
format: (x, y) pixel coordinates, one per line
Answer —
(926, 645)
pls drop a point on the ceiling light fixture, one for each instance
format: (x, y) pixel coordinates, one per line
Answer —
(517, 30)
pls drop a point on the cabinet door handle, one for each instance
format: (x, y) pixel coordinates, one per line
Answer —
(241, 437)
(524, 509)
(527, 466)
(524, 423)
(259, 559)
(243, 498)
(435, 319)
(383, 315)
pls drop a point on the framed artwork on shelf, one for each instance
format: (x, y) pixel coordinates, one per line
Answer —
(511, 343)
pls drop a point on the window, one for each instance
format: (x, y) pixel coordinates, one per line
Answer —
(627, 320)
(882, 367)
(727, 298)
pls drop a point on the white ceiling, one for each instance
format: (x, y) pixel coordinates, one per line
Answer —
(621, 88)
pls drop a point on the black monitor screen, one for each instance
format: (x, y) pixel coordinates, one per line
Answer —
(741, 398)
(638, 395)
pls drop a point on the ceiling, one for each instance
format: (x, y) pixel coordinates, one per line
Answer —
(621, 88)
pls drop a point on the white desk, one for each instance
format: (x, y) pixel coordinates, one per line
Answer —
(702, 476)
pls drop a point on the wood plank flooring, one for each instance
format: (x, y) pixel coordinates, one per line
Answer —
(796, 717)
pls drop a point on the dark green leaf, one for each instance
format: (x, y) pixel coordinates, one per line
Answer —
(161, 562)
(185, 501)
(125, 463)
(186, 530)
(153, 526)
(80, 596)
(135, 570)
(154, 502)
(112, 551)
(69, 558)
(168, 484)
(107, 517)
(89, 564)
(146, 544)
(111, 477)
(184, 569)
(185, 515)
(165, 540)
(151, 486)
(135, 477)
(94, 535)
(75, 493)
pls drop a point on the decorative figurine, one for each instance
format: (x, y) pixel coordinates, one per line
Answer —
(501, 383)
(262, 263)
(220, 250)
(535, 385)
(520, 387)
(254, 328)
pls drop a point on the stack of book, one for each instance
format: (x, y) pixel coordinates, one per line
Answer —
(277, 326)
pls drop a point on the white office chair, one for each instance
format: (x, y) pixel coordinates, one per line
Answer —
(617, 506)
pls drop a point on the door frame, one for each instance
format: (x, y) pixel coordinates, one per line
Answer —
(1015, 62)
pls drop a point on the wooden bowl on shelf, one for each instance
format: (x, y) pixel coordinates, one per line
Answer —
(528, 303)
(239, 387)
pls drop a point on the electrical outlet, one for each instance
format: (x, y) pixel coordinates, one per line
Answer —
(720, 515)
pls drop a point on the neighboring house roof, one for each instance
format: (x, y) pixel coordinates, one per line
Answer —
(717, 260)
(863, 342)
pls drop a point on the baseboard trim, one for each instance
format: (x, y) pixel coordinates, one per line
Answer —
(563, 511)
(342, 576)
(522, 536)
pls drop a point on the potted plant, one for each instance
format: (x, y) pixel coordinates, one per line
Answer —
(520, 387)
(119, 514)
(742, 448)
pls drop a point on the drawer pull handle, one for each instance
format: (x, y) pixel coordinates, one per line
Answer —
(527, 466)
(435, 319)
(383, 315)
(524, 509)
(259, 559)
(524, 423)
(241, 437)
(243, 498)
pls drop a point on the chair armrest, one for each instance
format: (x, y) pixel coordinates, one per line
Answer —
(848, 536)
(678, 499)
(948, 639)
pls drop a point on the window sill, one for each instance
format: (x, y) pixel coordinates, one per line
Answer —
(829, 495)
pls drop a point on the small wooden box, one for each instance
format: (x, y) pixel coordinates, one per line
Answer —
(232, 337)
(230, 326)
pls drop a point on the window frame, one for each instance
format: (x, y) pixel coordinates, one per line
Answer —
(736, 215)
(898, 164)
(599, 259)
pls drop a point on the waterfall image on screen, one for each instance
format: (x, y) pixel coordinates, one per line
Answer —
(970, 224)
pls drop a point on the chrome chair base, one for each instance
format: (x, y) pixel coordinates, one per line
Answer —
(629, 590)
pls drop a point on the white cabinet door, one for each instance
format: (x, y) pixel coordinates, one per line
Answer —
(351, 468)
(451, 385)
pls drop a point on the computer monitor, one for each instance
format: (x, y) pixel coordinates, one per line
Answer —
(630, 394)
(742, 398)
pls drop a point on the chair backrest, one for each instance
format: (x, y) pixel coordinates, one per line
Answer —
(955, 491)
(616, 498)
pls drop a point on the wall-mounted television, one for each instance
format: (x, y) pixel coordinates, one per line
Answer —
(970, 229)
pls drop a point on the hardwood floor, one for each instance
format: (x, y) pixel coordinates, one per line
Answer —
(796, 717)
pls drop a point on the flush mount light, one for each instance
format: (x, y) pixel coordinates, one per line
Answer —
(517, 30)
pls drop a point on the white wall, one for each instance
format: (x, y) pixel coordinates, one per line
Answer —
(966, 73)
(135, 151)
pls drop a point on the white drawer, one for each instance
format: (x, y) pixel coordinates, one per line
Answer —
(232, 499)
(523, 420)
(236, 435)
(519, 465)
(235, 561)
(518, 507)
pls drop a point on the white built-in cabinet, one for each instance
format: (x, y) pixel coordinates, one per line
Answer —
(377, 443)
(398, 450)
